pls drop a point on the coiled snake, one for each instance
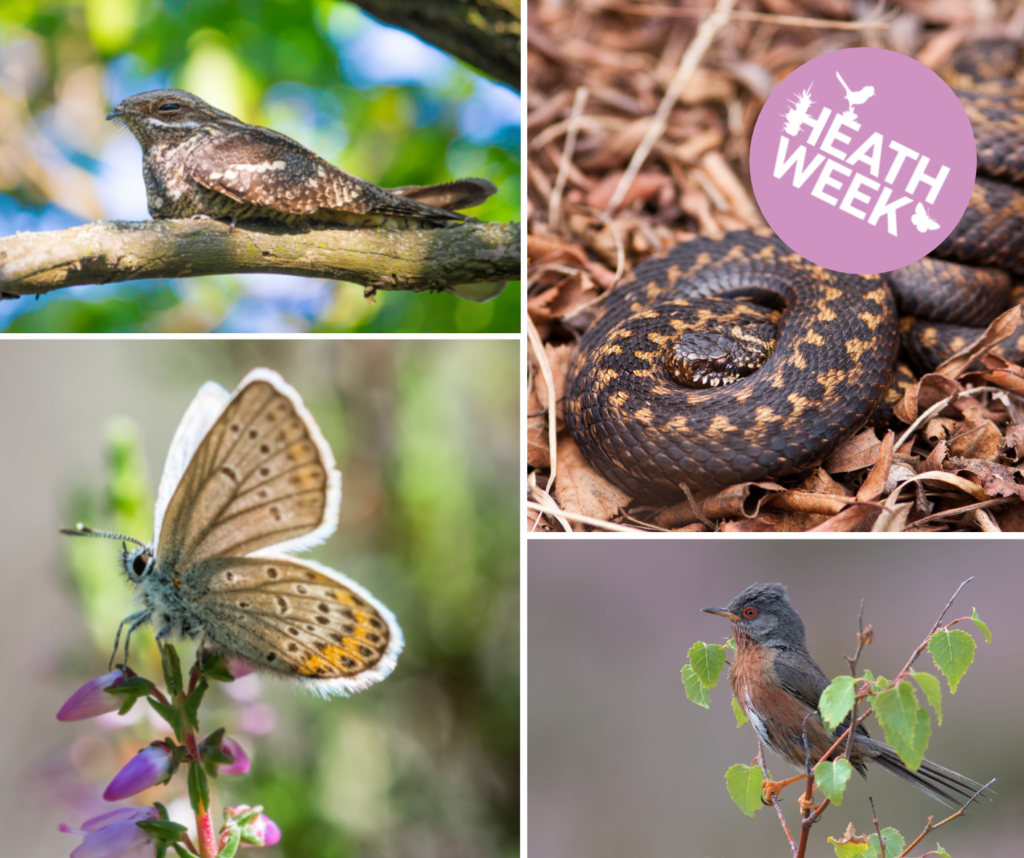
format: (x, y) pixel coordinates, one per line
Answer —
(834, 355)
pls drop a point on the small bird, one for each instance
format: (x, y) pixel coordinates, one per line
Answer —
(777, 684)
(858, 97)
(200, 161)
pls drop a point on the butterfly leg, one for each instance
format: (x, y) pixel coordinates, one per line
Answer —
(136, 620)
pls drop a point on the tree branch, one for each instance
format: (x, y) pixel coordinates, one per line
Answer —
(484, 33)
(107, 251)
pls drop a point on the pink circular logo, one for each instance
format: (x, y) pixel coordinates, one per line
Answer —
(863, 160)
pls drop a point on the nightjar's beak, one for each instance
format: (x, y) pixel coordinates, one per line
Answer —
(115, 113)
(722, 612)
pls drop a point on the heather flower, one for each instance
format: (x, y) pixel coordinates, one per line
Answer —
(150, 766)
(265, 830)
(241, 765)
(115, 835)
(91, 700)
(261, 830)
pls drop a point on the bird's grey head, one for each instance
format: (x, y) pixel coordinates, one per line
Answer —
(167, 115)
(764, 614)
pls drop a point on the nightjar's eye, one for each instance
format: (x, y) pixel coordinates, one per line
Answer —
(749, 612)
(139, 564)
(169, 105)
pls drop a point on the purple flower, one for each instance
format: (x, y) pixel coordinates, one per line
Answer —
(238, 666)
(115, 835)
(241, 765)
(265, 829)
(147, 768)
(91, 700)
(262, 829)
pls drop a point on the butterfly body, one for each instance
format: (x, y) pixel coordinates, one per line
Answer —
(249, 478)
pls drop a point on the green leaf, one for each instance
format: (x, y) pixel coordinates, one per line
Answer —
(213, 667)
(893, 840)
(741, 719)
(171, 715)
(836, 702)
(731, 644)
(832, 778)
(182, 851)
(932, 689)
(953, 652)
(940, 851)
(172, 669)
(707, 662)
(744, 783)
(899, 713)
(192, 703)
(694, 690)
(981, 625)
(164, 829)
(198, 789)
(231, 847)
(848, 850)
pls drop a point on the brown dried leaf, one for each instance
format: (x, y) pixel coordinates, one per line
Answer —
(995, 480)
(538, 454)
(580, 489)
(558, 358)
(860, 451)
(873, 486)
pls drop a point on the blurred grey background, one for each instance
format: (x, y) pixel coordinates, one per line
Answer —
(621, 763)
(426, 436)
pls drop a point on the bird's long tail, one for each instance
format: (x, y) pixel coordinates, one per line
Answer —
(941, 783)
(843, 82)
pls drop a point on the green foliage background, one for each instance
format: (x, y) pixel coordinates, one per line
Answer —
(427, 762)
(279, 63)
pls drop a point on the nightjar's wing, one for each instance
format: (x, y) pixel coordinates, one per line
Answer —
(260, 167)
(296, 618)
(262, 477)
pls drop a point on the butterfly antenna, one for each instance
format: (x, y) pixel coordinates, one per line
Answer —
(81, 530)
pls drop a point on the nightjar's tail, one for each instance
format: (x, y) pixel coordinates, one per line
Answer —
(941, 783)
(452, 196)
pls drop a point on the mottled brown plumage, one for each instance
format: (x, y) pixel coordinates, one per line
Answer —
(197, 160)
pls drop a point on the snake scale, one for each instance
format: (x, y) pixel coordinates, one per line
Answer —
(832, 359)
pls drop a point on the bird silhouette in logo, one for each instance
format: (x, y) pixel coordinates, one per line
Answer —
(854, 98)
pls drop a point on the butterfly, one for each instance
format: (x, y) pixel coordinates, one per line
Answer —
(921, 220)
(249, 479)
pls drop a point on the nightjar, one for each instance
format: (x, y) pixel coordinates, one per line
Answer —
(197, 160)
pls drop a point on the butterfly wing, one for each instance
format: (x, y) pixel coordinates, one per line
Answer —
(262, 476)
(297, 619)
(207, 406)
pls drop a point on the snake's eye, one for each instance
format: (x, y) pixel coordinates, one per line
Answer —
(749, 612)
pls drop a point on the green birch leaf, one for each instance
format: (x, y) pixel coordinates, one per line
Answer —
(741, 719)
(707, 662)
(896, 709)
(744, 784)
(694, 690)
(922, 733)
(832, 778)
(932, 689)
(847, 850)
(981, 625)
(953, 652)
(893, 840)
(836, 702)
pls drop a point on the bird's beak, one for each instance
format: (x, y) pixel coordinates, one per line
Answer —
(116, 112)
(722, 612)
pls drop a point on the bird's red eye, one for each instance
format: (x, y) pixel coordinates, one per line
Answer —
(749, 612)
